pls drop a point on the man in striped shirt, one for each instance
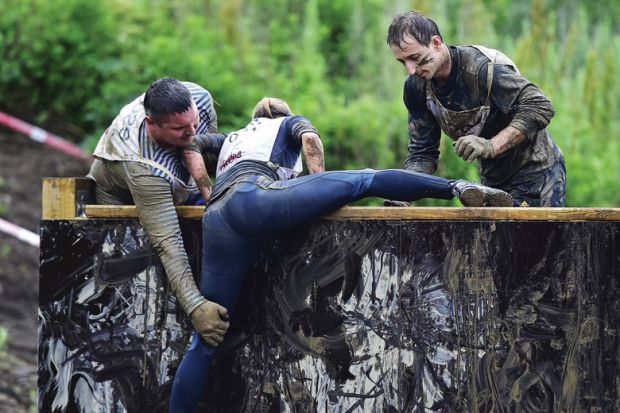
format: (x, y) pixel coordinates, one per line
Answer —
(143, 159)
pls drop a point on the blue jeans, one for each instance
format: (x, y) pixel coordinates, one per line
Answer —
(257, 209)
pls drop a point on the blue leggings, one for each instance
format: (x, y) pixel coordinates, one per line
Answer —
(238, 223)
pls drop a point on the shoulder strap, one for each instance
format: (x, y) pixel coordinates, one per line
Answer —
(494, 56)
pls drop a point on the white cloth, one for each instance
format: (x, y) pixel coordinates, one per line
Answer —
(262, 140)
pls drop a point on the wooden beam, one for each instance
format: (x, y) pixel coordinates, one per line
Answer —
(479, 214)
(62, 198)
(130, 211)
(412, 213)
(67, 198)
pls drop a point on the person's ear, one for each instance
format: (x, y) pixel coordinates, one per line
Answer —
(436, 41)
(149, 120)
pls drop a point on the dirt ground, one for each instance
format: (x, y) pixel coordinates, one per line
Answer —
(23, 163)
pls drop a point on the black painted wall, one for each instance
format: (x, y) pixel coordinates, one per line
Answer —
(344, 316)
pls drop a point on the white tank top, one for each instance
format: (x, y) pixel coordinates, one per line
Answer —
(264, 139)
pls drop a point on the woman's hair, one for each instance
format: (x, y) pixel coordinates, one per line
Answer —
(271, 108)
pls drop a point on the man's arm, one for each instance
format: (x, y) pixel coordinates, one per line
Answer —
(195, 164)
(153, 198)
(194, 158)
(424, 138)
(506, 139)
(313, 152)
(208, 125)
(424, 135)
(514, 96)
(424, 131)
(531, 109)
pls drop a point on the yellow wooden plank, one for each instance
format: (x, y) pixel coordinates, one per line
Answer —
(130, 211)
(60, 197)
(486, 213)
(413, 213)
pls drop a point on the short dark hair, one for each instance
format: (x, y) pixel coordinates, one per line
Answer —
(164, 97)
(415, 24)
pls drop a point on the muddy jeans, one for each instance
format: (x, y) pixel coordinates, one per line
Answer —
(547, 190)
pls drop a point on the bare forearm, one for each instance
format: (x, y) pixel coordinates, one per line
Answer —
(506, 139)
(313, 152)
(196, 167)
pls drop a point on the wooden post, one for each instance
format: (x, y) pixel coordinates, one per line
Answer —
(63, 198)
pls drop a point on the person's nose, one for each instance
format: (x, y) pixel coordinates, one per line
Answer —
(411, 67)
(191, 130)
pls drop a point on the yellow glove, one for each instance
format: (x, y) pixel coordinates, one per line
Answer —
(472, 147)
(207, 320)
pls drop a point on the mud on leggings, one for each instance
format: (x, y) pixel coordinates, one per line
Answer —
(253, 211)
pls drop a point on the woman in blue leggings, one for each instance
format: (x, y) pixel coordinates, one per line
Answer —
(257, 195)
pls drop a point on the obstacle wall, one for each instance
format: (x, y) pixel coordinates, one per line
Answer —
(370, 309)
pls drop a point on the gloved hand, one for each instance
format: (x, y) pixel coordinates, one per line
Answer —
(472, 147)
(392, 203)
(208, 319)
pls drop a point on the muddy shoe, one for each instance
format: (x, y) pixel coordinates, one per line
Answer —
(475, 195)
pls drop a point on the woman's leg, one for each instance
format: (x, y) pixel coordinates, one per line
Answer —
(283, 204)
(227, 257)
(265, 207)
(235, 225)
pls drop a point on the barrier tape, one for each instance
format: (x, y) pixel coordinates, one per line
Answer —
(20, 233)
(43, 136)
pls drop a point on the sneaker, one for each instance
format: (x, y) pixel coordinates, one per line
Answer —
(475, 195)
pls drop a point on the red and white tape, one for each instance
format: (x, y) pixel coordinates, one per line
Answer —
(20, 233)
(43, 136)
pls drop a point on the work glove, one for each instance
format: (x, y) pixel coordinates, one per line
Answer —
(472, 147)
(393, 203)
(209, 319)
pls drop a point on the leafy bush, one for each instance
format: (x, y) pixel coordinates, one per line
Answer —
(54, 57)
(70, 65)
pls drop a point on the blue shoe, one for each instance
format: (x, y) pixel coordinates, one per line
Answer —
(475, 195)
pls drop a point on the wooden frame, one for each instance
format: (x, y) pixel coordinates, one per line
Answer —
(63, 198)
(67, 198)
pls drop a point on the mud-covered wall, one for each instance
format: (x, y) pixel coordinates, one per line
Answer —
(345, 316)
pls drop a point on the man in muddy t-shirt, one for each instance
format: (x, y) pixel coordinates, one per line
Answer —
(477, 97)
(145, 158)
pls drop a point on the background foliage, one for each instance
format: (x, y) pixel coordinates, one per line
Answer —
(70, 65)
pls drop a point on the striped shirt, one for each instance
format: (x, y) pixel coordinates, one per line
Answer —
(126, 138)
